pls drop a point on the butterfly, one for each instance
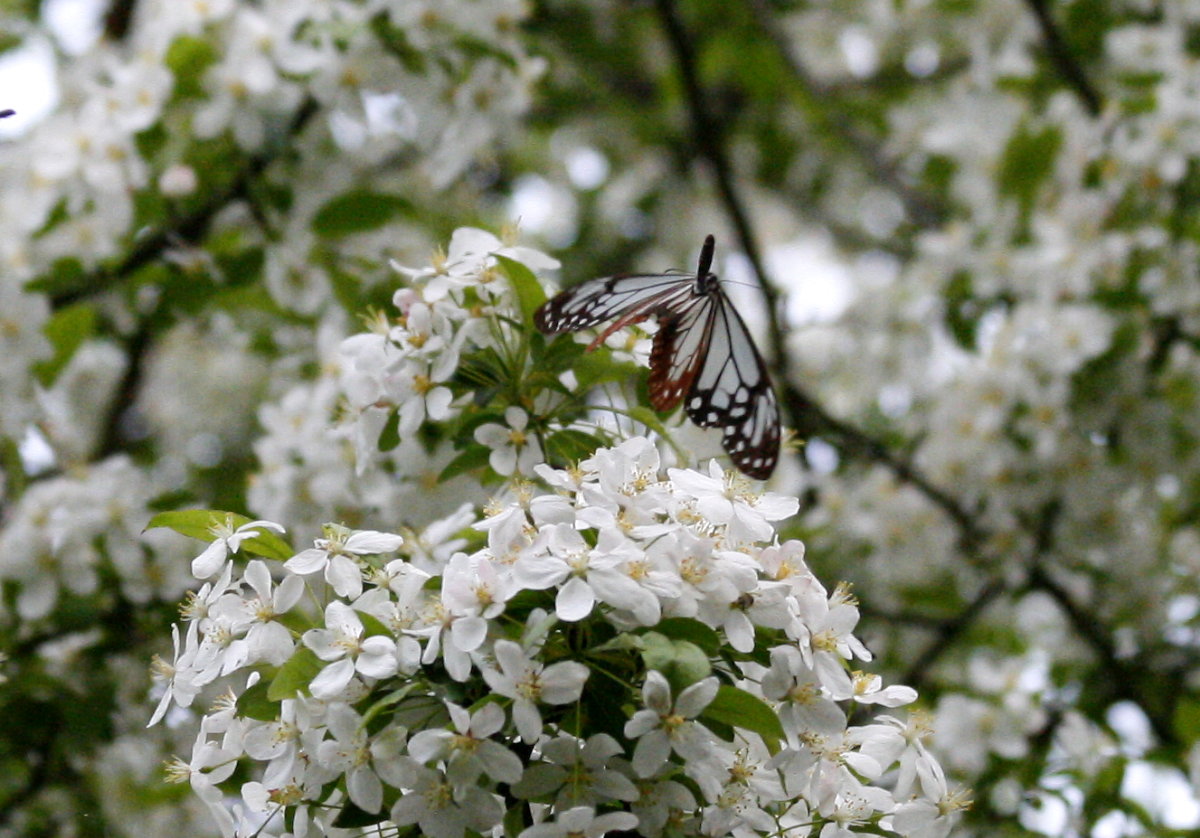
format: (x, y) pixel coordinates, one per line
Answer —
(702, 353)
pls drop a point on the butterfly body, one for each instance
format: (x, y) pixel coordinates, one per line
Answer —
(702, 353)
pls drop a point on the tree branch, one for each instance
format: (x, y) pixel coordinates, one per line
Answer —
(803, 409)
(190, 229)
(1061, 57)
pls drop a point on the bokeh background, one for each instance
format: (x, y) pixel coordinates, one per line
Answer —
(965, 233)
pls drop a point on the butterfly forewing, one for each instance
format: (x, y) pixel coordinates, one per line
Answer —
(702, 354)
(629, 298)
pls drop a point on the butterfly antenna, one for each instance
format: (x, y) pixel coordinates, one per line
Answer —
(706, 255)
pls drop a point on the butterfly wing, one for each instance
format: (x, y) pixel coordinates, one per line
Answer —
(625, 299)
(680, 346)
(731, 390)
(702, 351)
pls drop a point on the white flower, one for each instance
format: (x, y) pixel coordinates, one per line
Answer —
(590, 573)
(266, 639)
(419, 390)
(334, 555)
(228, 540)
(726, 498)
(180, 687)
(807, 706)
(583, 773)
(349, 753)
(209, 766)
(513, 450)
(342, 644)
(665, 727)
(527, 682)
(469, 752)
(432, 803)
(581, 821)
(869, 689)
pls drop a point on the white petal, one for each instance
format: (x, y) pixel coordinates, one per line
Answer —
(527, 719)
(651, 752)
(695, 698)
(370, 541)
(574, 601)
(332, 679)
(208, 563)
(656, 692)
(343, 574)
(562, 682)
(307, 561)
(468, 632)
(428, 745)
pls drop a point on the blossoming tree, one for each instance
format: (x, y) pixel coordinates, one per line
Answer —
(445, 575)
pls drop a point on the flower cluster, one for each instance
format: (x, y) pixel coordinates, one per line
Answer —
(623, 651)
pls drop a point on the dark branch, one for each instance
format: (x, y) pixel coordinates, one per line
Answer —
(1123, 680)
(191, 229)
(1061, 57)
(950, 631)
(806, 413)
(118, 19)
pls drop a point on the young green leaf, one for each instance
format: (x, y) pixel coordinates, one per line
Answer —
(295, 675)
(529, 291)
(739, 708)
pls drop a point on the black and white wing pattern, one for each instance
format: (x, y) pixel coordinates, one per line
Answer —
(627, 300)
(702, 354)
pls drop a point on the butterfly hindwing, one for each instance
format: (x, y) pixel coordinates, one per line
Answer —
(679, 351)
(732, 391)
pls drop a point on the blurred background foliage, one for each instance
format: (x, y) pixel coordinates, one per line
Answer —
(974, 224)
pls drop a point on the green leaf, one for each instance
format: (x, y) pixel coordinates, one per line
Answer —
(372, 625)
(269, 545)
(570, 445)
(254, 703)
(358, 211)
(389, 700)
(1187, 720)
(529, 291)
(66, 330)
(685, 628)
(514, 820)
(741, 709)
(389, 437)
(556, 355)
(199, 523)
(1028, 160)
(187, 58)
(351, 817)
(649, 418)
(195, 523)
(295, 675)
(623, 642)
(598, 367)
(475, 457)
